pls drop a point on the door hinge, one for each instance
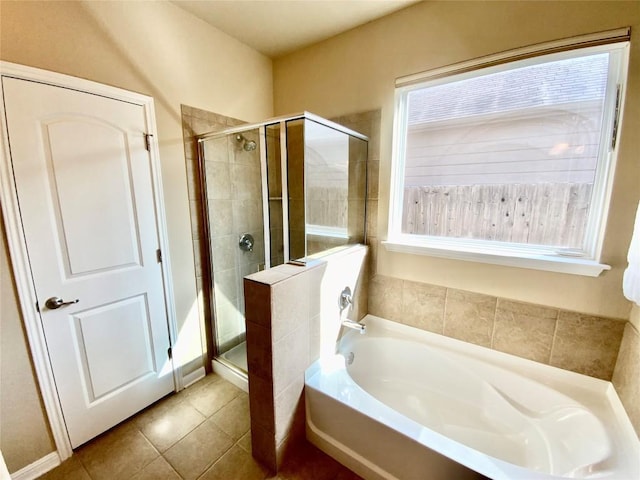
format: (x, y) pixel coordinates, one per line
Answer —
(616, 119)
(170, 353)
(147, 141)
(159, 255)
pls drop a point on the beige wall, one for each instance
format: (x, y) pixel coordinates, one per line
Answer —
(24, 432)
(156, 49)
(355, 71)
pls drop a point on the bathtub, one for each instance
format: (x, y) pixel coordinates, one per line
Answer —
(401, 403)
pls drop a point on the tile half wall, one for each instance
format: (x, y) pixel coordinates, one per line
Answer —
(569, 340)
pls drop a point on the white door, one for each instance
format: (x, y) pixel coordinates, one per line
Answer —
(85, 190)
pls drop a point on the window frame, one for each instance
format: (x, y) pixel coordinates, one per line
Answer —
(584, 261)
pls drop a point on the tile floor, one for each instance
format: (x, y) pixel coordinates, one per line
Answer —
(200, 433)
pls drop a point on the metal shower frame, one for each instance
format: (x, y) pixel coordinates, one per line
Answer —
(262, 129)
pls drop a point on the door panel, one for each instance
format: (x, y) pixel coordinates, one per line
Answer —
(92, 241)
(84, 183)
(97, 330)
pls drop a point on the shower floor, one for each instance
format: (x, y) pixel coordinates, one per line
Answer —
(237, 356)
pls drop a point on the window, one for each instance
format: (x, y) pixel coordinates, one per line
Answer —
(510, 163)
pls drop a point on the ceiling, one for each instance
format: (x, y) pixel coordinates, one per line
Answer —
(278, 27)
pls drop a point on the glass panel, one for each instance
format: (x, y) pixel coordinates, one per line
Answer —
(236, 233)
(358, 151)
(296, 188)
(274, 180)
(509, 156)
(335, 165)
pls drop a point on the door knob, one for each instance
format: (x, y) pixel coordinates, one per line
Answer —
(56, 302)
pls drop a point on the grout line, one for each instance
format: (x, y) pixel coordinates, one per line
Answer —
(171, 466)
(493, 326)
(444, 310)
(152, 446)
(208, 467)
(633, 327)
(186, 399)
(234, 443)
(553, 339)
(84, 467)
(403, 284)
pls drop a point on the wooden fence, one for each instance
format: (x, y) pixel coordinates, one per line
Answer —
(540, 214)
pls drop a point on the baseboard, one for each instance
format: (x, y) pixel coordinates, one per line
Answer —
(37, 468)
(193, 377)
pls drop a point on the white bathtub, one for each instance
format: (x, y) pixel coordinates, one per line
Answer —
(402, 403)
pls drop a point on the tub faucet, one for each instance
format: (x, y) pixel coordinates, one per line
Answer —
(345, 301)
(354, 325)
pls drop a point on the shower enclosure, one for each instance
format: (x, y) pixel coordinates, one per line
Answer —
(281, 191)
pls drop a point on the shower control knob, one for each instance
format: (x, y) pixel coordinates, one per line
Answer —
(246, 242)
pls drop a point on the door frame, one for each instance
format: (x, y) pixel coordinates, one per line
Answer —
(18, 246)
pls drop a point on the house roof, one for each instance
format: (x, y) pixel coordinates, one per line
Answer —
(554, 83)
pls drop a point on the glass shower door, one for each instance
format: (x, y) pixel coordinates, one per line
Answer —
(233, 185)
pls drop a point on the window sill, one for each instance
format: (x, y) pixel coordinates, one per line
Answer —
(550, 263)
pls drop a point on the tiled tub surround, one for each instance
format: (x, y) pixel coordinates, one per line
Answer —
(568, 340)
(292, 315)
(626, 376)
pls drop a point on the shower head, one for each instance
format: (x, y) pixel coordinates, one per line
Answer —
(247, 145)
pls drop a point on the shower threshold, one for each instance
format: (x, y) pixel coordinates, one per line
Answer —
(232, 366)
